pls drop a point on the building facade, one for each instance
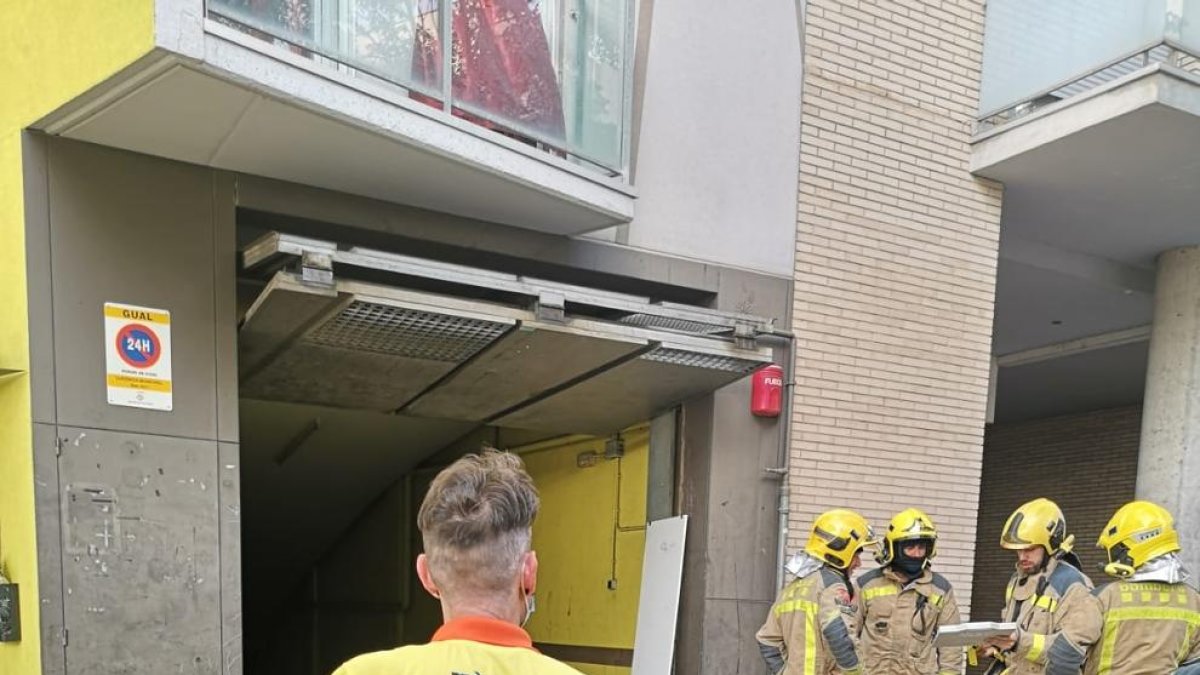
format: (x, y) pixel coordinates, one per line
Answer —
(1006, 186)
(270, 263)
(368, 236)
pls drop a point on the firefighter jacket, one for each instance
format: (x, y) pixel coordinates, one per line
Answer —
(472, 644)
(1057, 619)
(808, 629)
(1150, 628)
(897, 622)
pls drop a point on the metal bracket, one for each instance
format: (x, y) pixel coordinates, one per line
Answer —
(744, 335)
(614, 447)
(550, 306)
(316, 269)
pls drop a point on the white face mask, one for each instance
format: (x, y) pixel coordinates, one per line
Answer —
(530, 608)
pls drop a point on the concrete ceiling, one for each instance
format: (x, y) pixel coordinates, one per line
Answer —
(1036, 307)
(1090, 199)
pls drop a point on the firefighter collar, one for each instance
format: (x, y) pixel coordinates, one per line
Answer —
(1168, 569)
(484, 629)
(921, 583)
(802, 564)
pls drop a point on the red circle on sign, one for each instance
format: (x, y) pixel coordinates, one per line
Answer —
(138, 346)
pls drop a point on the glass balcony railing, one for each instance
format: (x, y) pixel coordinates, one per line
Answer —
(1040, 51)
(555, 74)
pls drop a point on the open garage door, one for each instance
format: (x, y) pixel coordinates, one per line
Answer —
(362, 371)
(384, 332)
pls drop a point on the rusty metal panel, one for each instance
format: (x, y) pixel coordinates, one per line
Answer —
(633, 391)
(518, 367)
(141, 553)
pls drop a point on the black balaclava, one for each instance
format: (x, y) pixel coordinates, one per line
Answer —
(910, 567)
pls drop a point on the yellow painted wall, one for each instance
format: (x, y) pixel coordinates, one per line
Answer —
(591, 528)
(50, 52)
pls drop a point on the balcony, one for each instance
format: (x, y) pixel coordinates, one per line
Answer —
(1089, 114)
(1039, 53)
(553, 74)
(530, 127)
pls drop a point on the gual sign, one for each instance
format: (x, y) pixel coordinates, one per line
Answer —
(138, 356)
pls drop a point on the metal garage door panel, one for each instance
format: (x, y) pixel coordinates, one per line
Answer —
(140, 551)
(526, 362)
(363, 346)
(634, 391)
(343, 378)
(279, 314)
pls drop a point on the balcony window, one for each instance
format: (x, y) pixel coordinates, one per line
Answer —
(1037, 52)
(554, 74)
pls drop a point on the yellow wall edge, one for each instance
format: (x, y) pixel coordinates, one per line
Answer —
(50, 52)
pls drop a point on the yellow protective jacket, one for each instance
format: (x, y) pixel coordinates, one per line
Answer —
(1057, 618)
(474, 644)
(1150, 628)
(897, 622)
(808, 629)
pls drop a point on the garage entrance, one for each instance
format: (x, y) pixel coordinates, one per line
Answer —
(362, 372)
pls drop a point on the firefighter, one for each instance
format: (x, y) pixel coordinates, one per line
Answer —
(808, 629)
(1151, 616)
(1048, 598)
(902, 603)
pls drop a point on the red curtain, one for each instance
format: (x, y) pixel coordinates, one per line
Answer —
(500, 61)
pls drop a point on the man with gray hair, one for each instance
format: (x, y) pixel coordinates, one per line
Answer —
(476, 522)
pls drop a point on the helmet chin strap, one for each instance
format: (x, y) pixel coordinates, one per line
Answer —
(1117, 569)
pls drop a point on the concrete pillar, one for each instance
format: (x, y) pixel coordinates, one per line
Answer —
(1169, 458)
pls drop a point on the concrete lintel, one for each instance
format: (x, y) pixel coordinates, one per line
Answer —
(276, 202)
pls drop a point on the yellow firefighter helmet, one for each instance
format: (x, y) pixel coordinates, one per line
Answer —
(908, 526)
(1037, 523)
(837, 535)
(1137, 533)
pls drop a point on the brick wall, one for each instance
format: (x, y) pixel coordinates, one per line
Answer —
(895, 270)
(1086, 463)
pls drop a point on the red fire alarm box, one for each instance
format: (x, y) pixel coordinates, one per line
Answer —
(766, 391)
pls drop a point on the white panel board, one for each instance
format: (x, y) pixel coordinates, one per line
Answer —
(658, 607)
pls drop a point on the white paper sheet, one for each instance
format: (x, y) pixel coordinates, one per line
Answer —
(970, 634)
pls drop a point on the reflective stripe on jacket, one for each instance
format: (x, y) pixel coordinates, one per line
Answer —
(897, 622)
(1150, 628)
(807, 631)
